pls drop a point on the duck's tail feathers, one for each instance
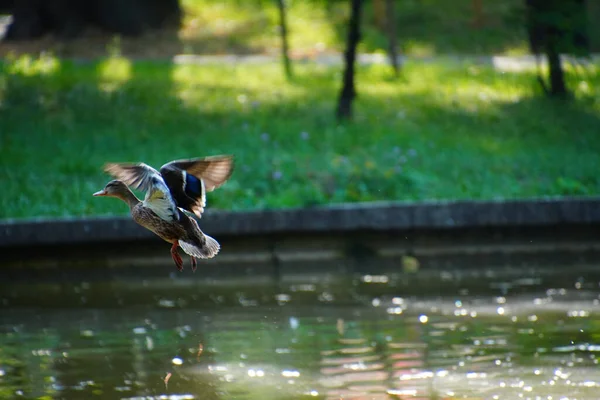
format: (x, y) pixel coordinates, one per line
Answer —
(208, 249)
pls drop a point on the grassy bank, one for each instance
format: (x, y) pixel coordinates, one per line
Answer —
(443, 133)
(424, 27)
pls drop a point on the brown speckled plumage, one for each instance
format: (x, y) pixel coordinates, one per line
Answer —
(185, 229)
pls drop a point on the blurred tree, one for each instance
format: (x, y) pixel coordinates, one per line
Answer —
(348, 92)
(477, 13)
(68, 18)
(392, 34)
(557, 27)
(379, 14)
(285, 50)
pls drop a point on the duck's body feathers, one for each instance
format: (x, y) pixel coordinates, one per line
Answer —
(174, 196)
(170, 231)
(184, 230)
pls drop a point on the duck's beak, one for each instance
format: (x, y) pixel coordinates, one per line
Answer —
(100, 193)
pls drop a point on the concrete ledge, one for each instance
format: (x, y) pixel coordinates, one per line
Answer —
(363, 217)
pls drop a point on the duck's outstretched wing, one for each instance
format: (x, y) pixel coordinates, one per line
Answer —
(189, 180)
(143, 177)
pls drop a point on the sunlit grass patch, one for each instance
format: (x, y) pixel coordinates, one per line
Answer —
(441, 132)
(114, 72)
(28, 65)
(255, 24)
(424, 28)
(115, 69)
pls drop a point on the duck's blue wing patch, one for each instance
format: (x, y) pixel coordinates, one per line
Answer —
(193, 186)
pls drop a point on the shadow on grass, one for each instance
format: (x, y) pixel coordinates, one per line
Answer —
(154, 45)
(559, 137)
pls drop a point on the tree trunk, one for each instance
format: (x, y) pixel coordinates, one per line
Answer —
(392, 34)
(348, 92)
(557, 27)
(285, 50)
(379, 14)
(478, 13)
(557, 75)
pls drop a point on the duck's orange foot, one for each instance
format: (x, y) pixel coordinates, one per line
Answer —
(194, 263)
(176, 257)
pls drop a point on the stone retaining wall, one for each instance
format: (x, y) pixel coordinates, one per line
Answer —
(341, 238)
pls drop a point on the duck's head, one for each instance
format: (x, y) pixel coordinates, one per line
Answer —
(114, 188)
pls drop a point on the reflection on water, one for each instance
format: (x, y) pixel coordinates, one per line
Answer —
(541, 342)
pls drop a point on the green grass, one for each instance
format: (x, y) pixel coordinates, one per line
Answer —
(445, 132)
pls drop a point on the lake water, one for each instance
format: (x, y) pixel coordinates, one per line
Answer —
(523, 335)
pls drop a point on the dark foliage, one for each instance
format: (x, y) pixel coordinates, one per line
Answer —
(68, 18)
